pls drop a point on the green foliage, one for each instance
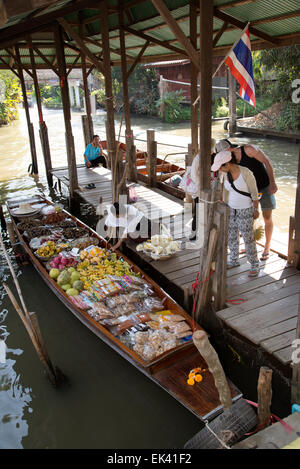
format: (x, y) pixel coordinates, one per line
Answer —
(10, 97)
(285, 64)
(50, 95)
(262, 103)
(170, 105)
(289, 117)
(142, 90)
(221, 110)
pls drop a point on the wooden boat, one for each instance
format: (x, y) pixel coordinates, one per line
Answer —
(169, 370)
(164, 171)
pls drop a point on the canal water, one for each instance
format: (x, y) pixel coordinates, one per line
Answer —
(107, 403)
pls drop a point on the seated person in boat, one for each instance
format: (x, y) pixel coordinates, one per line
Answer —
(93, 154)
(129, 223)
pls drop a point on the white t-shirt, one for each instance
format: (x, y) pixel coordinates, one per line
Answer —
(236, 200)
(129, 221)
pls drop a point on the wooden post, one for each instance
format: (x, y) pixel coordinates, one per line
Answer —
(43, 128)
(194, 79)
(88, 129)
(64, 88)
(209, 354)
(2, 219)
(130, 153)
(11, 234)
(206, 41)
(110, 127)
(294, 245)
(232, 103)
(295, 384)
(220, 275)
(264, 396)
(188, 162)
(85, 128)
(34, 164)
(151, 157)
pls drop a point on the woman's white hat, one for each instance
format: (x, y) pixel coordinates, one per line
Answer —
(221, 158)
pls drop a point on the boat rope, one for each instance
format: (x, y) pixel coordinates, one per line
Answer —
(209, 202)
(236, 301)
(194, 286)
(271, 419)
(216, 436)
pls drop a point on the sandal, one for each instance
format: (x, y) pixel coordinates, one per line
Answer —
(253, 273)
(265, 256)
(230, 265)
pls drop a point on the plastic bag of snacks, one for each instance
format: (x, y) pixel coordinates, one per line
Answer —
(152, 303)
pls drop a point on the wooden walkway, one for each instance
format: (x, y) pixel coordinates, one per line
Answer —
(268, 311)
(154, 204)
(267, 315)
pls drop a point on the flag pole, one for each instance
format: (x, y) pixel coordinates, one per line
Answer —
(222, 62)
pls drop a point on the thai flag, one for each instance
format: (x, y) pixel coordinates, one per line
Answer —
(239, 61)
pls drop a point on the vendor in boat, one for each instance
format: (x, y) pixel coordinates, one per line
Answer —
(93, 154)
(129, 223)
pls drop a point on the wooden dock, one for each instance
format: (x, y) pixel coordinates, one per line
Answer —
(267, 315)
(153, 203)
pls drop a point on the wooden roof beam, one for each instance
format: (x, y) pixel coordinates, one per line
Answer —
(138, 58)
(10, 35)
(241, 25)
(153, 40)
(177, 31)
(76, 38)
(17, 60)
(43, 57)
(219, 33)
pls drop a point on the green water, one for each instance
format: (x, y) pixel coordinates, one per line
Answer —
(107, 403)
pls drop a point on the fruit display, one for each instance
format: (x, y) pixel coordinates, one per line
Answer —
(159, 247)
(101, 284)
(61, 262)
(48, 250)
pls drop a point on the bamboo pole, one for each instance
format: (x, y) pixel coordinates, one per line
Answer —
(209, 354)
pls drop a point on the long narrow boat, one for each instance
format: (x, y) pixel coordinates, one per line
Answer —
(169, 370)
(164, 171)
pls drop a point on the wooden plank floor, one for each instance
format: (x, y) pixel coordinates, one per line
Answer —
(154, 204)
(267, 315)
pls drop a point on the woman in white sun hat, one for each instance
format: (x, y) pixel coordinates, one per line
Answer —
(243, 208)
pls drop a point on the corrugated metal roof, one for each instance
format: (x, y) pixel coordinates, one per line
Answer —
(143, 17)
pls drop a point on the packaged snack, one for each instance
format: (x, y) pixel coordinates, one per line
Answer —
(102, 310)
(185, 334)
(152, 304)
(79, 302)
(121, 328)
(142, 318)
(123, 309)
(179, 327)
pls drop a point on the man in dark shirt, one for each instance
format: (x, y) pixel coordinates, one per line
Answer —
(253, 158)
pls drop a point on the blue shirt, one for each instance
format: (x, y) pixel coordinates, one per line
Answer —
(91, 152)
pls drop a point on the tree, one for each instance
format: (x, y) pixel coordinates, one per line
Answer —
(285, 63)
(10, 97)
